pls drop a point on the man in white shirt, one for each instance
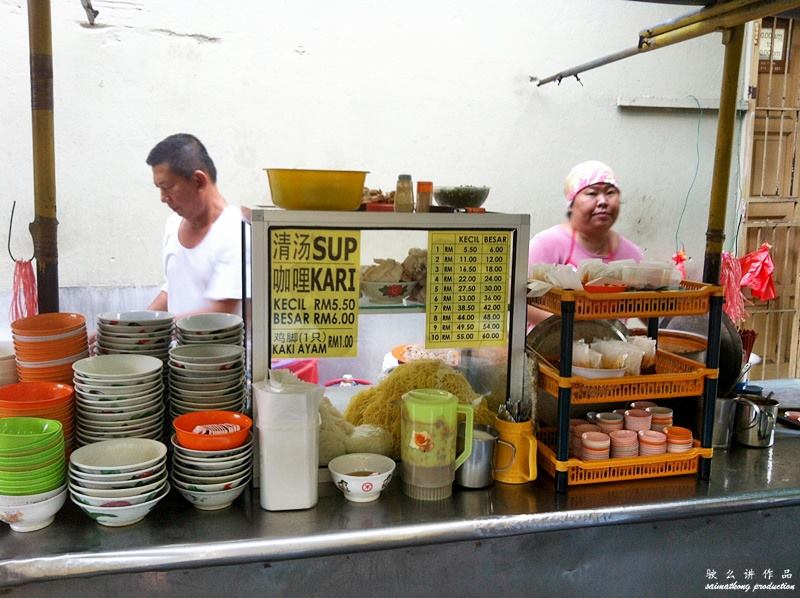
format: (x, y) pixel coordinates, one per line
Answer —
(202, 251)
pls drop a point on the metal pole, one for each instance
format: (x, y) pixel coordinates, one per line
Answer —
(705, 13)
(715, 234)
(44, 227)
(670, 36)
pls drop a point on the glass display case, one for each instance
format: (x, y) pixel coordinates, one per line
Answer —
(322, 293)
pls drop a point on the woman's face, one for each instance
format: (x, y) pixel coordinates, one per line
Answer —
(595, 209)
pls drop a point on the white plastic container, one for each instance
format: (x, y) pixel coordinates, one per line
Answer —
(287, 421)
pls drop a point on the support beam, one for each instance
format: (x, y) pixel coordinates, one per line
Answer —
(726, 124)
(45, 225)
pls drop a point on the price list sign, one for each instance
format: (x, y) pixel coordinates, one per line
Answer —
(467, 288)
(314, 292)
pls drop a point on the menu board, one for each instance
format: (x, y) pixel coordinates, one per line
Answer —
(466, 301)
(314, 292)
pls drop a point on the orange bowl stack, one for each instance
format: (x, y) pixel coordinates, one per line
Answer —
(47, 345)
(47, 400)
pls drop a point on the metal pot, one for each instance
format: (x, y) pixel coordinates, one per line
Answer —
(754, 424)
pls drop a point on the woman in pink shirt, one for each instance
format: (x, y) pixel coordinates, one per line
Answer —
(593, 197)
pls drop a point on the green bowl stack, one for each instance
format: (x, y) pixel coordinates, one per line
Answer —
(31, 456)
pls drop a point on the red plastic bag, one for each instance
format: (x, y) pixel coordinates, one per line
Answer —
(730, 277)
(24, 301)
(757, 268)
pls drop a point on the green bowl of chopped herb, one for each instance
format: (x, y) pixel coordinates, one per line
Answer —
(465, 196)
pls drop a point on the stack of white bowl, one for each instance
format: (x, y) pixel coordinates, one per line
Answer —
(215, 328)
(118, 482)
(8, 367)
(118, 396)
(135, 332)
(206, 377)
(212, 480)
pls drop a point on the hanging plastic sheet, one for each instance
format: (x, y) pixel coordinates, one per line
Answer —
(757, 268)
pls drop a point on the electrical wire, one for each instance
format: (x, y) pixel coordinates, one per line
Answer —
(696, 170)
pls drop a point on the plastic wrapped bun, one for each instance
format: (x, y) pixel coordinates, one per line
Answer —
(369, 439)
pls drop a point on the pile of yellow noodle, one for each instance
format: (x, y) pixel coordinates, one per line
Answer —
(380, 404)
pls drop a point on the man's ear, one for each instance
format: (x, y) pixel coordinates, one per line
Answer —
(200, 179)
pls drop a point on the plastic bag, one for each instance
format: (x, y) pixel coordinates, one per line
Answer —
(585, 357)
(757, 268)
(730, 277)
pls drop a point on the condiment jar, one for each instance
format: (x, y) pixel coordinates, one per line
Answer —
(424, 196)
(404, 194)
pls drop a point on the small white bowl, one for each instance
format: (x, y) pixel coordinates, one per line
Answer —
(136, 318)
(218, 487)
(33, 516)
(28, 499)
(121, 516)
(117, 367)
(134, 497)
(212, 323)
(206, 354)
(597, 372)
(118, 456)
(231, 453)
(212, 501)
(75, 486)
(361, 488)
(210, 464)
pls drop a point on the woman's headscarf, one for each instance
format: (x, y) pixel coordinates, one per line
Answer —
(586, 174)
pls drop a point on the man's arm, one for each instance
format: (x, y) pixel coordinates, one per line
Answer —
(159, 303)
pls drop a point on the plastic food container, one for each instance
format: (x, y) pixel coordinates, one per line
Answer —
(294, 189)
(645, 276)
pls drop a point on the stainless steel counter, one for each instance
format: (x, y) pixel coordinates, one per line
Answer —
(177, 536)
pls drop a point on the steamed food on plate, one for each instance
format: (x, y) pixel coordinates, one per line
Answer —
(383, 270)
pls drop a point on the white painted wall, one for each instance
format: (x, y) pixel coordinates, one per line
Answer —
(437, 89)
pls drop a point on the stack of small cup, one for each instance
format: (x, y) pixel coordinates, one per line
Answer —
(624, 443)
(595, 446)
(637, 419)
(652, 442)
(576, 431)
(609, 422)
(679, 440)
(661, 418)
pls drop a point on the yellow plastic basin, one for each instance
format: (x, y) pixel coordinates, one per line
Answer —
(294, 189)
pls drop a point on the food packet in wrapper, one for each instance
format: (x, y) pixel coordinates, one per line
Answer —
(564, 277)
(595, 268)
(633, 367)
(584, 357)
(614, 269)
(614, 354)
(540, 272)
(648, 345)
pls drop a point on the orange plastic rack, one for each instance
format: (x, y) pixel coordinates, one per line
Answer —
(615, 470)
(692, 299)
(675, 377)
